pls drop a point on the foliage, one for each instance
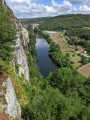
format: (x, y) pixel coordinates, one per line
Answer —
(84, 60)
(61, 79)
(7, 35)
(62, 22)
(0, 107)
(17, 67)
(81, 33)
(84, 34)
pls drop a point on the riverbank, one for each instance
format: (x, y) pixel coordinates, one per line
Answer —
(66, 49)
(55, 53)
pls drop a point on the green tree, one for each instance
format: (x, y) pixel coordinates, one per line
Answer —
(61, 79)
(7, 35)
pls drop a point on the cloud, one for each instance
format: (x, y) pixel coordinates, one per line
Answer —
(65, 5)
(79, 1)
(32, 9)
(84, 9)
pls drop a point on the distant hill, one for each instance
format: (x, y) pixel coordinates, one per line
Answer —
(60, 22)
(65, 22)
(32, 20)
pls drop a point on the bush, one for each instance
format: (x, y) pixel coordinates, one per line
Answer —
(73, 55)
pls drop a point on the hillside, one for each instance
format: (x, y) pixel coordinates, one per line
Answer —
(32, 20)
(65, 22)
(74, 24)
(61, 22)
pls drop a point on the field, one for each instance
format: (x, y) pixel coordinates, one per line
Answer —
(59, 39)
(85, 70)
(75, 58)
(65, 48)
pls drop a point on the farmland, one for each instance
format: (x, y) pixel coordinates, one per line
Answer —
(65, 48)
(59, 39)
(85, 70)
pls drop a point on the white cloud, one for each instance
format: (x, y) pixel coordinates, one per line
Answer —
(20, 1)
(30, 9)
(80, 1)
(84, 9)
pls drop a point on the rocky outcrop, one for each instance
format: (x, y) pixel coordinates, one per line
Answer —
(12, 107)
(25, 36)
(21, 58)
(21, 41)
(8, 102)
(4, 4)
(24, 33)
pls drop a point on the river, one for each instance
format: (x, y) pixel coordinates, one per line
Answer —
(44, 62)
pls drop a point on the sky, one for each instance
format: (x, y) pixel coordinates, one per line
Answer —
(48, 8)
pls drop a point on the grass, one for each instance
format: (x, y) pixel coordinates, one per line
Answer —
(65, 48)
(59, 39)
(87, 28)
(85, 70)
(75, 58)
(1, 107)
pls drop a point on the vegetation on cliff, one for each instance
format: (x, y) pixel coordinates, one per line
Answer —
(7, 35)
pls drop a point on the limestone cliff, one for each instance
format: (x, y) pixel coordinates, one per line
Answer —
(9, 105)
(22, 40)
(21, 58)
(12, 106)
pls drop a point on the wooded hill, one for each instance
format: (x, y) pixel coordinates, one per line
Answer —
(75, 24)
(66, 22)
(61, 22)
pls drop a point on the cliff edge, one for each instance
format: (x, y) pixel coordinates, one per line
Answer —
(9, 104)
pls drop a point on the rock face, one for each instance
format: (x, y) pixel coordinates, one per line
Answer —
(21, 58)
(22, 41)
(9, 101)
(4, 4)
(12, 107)
(25, 36)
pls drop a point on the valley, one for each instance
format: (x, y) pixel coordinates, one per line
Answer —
(44, 65)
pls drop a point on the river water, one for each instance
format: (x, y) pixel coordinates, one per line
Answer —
(44, 62)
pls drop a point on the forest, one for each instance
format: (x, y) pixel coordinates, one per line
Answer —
(61, 22)
(65, 22)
